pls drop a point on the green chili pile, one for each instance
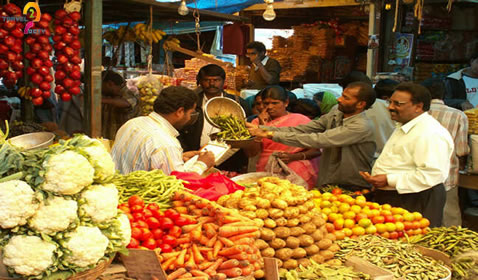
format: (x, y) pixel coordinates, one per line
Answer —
(232, 128)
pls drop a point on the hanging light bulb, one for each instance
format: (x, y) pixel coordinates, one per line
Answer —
(269, 13)
(183, 9)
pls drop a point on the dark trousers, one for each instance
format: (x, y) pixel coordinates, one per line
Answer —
(429, 202)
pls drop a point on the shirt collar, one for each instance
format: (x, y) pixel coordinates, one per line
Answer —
(409, 125)
(165, 123)
(340, 116)
(264, 61)
(438, 101)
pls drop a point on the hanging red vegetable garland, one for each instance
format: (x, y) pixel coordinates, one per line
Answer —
(11, 45)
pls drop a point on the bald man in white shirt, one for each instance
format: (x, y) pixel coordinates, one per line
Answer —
(415, 161)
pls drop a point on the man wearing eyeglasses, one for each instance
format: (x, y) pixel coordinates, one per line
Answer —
(415, 161)
(119, 104)
(150, 142)
(265, 71)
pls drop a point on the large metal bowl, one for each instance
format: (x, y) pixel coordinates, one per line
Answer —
(33, 140)
(252, 178)
(234, 143)
(218, 106)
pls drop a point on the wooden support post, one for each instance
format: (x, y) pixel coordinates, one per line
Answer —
(93, 59)
(372, 53)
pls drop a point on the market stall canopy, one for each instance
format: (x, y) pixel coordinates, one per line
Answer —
(138, 10)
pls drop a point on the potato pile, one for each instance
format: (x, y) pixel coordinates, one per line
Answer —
(292, 229)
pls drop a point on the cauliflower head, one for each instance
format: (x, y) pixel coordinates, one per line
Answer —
(54, 215)
(124, 229)
(67, 173)
(87, 246)
(101, 202)
(28, 255)
(101, 161)
(17, 203)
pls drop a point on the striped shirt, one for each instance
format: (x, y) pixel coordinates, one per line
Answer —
(149, 142)
(456, 122)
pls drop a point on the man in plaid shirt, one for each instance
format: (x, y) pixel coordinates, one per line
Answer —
(456, 122)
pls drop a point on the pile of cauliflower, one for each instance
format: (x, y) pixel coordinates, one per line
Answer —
(61, 216)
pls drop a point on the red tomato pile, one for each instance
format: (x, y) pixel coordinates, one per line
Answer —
(11, 45)
(40, 63)
(67, 51)
(151, 228)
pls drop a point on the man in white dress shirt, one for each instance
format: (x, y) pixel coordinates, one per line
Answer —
(415, 161)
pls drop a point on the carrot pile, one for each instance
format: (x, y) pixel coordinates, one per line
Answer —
(219, 246)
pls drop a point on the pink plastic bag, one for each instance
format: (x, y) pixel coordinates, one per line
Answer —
(211, 187)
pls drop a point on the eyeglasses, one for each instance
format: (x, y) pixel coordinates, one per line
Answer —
(397, 103)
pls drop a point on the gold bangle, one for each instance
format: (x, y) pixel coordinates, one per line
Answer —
(270, 134)
(305, 157)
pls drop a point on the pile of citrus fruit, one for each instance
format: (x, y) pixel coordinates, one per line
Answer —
(349, 216)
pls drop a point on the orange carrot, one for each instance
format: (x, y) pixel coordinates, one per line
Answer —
(175, 274)
(205, 250)
(167, 256)
(210, 231)
(183, 240)
(210, 255)
(229, 264)
(185, 275)
(203, 240)
(257, 266)
(190, 264)
(220, 276)
(180, 259)
(206, 220)
(194, 278)
(227, 231)
(196, 212)
(198, 258)
(254, 234)
(227, 219)
(217, 247)
(226, 242)
(196, 233)
(178, 203)
(244, 263)
(165, 265)
(212, 269)
(196, 272)
(252, 258)
(231, 272)
(243, 241)
(241, 256)
(211, 242)
(247, 270)
(181, 210)
(205, 265)
(237, 249)
(189, 228)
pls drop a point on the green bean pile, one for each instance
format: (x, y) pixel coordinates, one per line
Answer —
(152, 186)
(324, 272)
(231, 127)
(398, 257)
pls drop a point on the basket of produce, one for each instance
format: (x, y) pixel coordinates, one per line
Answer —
(33, 140)
(222, 106)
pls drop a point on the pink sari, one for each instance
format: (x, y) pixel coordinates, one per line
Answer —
(307, 169)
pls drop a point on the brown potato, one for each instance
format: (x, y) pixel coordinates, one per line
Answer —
(269, 196)
(324, 244)
(298, 253)
(303, 209)
(318, 258)
(292, 242)
(280, 263)
(291, 212)
(268, 253)
(293, 222)
(280, 222)
(290, 264)
(309, 228)
(317, 235)
(277, 243)
(259, 274)
(306, 240)
(270, 223)
(304, 219)
(304, 262)
(330, 236)
(258, 222)
(262, 213)
(324, 230)
(326, 254)
(334, 248)
(261, 244)
(310, 205)
(282, 271)
(250, 207)
(283, 254)
(279, 203)
(312, 250)
(249, 214)
(296, 231)
(318, 221)
(282, 232)
(263, 203)
(275, 213)
(267, 234)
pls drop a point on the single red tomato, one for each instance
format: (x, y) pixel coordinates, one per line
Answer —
(137, 209)
(130, 217)
(125, 209)
(138, 216)
(157, 233)
(172, 214)
(133, 243)
(136, 233)
(147, 213)
(166, 248)
(175, 231)
(147, 234)
(153, 206)
(337, 191)
(142, 224)
(152, 222)
(168, 239)
(182, 221)
(157, 214)
(150, 244)
(134, 224)
(166, 223)
(135, 200)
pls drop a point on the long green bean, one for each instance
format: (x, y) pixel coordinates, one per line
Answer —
(231, 127)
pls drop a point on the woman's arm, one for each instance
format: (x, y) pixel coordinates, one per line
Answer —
(303, 155)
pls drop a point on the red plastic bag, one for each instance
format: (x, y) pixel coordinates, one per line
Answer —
(211, 187)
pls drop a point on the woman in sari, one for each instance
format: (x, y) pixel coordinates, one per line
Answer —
(303, 161)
